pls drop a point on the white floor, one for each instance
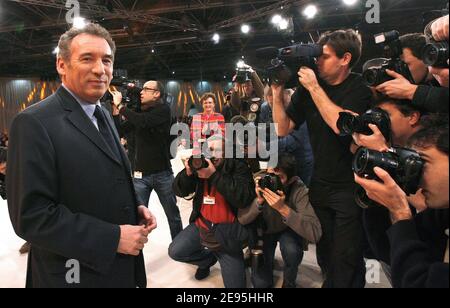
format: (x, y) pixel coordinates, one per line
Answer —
(162, 272)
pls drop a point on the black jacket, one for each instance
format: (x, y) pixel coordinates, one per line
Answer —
(68, 194)
(151, 129)
(415, 248)
(431, 97)
(234, 181)
(418, 249)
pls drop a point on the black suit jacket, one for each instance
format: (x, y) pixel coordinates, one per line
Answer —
(67, 196)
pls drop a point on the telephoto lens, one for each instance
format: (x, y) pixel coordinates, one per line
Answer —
(436, 54)
(405, 166)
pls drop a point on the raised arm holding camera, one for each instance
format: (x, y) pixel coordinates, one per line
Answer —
(248, 104)
(319, 103)
(151, 129)
(423, 90)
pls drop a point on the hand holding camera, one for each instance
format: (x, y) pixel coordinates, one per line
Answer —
(376, 141)
(307, 78)
(259, 198)
(400, 166)
(387, 193)
(202, 167)
(275, 200)
(398, 88)
(350, 124)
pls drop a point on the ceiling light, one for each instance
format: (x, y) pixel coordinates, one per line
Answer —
(310, 11)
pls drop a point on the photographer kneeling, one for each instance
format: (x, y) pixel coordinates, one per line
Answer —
(288, 217)
(221, 186)
(418, 245)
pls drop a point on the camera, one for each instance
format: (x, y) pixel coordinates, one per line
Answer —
(348, 124)
(375, 70)
(272, 182)
(242, 75)
(436, 54)
(198, 163)
(250, 109)
(287, 61)
(131, 92)
(404, 165)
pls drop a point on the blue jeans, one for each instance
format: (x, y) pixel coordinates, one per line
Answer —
(291, 245)
(186, 248)
(162, 183)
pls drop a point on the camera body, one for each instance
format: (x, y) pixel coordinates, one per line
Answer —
(374, 75)
(272, 182)
(243, 75)
(287, 61)
(250, 109)
(404, 165)
(131, 92)
(197, 163)
(348, 124)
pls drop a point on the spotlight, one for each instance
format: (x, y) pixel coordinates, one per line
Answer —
(216, 38)
(276, 19)
(240, 64)
(284, 24)
(350, 2)
(310, 11)
(245, 29)
(56, 50)
(79, 22)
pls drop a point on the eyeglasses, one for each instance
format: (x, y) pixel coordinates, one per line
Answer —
(150, 90)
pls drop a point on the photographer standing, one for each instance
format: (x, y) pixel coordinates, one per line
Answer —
(152, 168)
(319, 102)
(289, 220)
(253, 88)
(419, 245)
(222, 188)
(425, 93)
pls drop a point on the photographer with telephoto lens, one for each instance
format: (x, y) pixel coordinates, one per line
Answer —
(418, 244)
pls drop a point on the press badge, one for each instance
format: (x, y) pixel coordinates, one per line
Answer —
(138, 175)
(209, 200)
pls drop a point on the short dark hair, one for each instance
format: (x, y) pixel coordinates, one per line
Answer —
(93, 29)
(404, 106)
(415, 42)
(287, 164)
(434, 132)
(160, 87)
(343, 41)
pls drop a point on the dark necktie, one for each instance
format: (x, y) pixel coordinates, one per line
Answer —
(105, 131)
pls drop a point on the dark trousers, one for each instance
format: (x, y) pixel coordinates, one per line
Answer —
(291, 246)
(162, 183)
(186, 248)
(340, 251)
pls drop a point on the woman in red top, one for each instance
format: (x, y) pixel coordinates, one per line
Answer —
(206, 124)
